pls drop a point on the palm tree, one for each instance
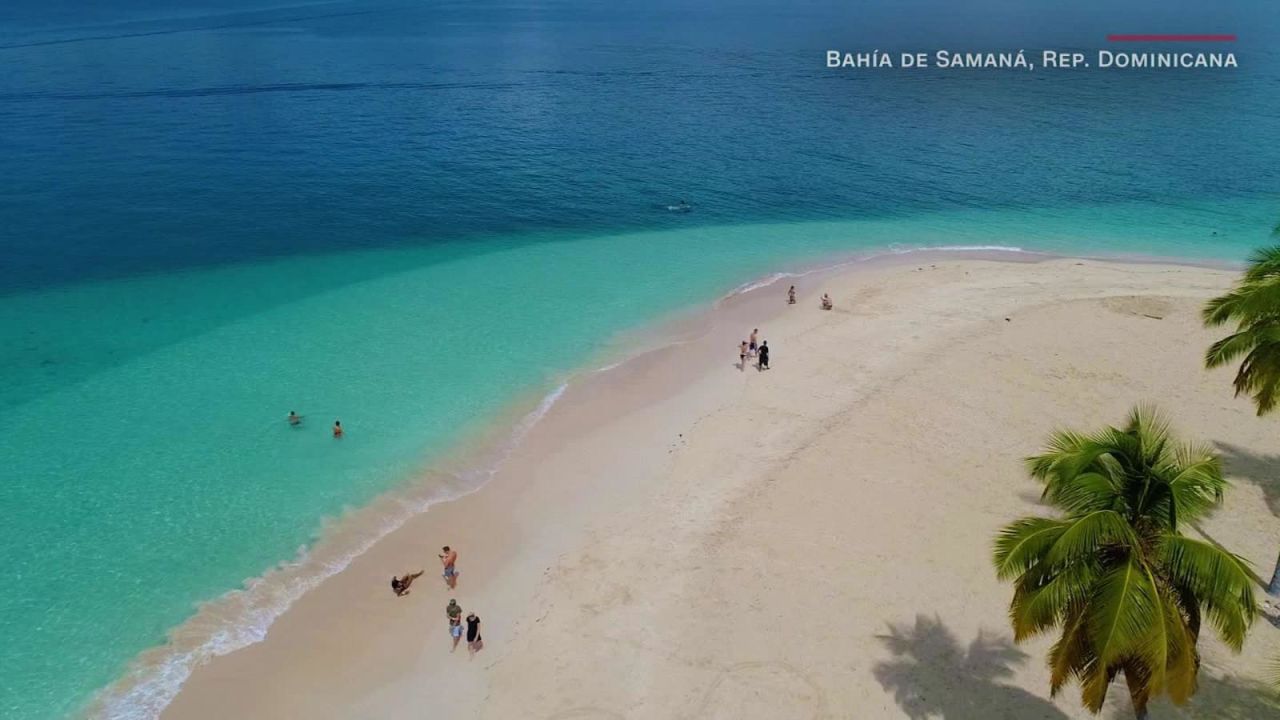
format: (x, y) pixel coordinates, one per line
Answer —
(1126, 589)
(1254, 306)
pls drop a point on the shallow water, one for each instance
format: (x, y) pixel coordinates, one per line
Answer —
(406, 216)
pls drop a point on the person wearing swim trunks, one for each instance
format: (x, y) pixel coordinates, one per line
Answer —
(448, 558)
(337, 428)
(751, 346)
(454, 612)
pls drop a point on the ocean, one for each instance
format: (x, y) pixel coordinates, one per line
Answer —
(419, 218)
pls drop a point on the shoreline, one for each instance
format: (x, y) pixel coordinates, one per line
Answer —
(690, 325)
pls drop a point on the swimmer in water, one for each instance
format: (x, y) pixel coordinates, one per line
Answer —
(294, 419)
(337, 428)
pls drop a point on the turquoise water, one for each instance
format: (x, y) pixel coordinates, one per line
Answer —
(164, 442)
(406, 217)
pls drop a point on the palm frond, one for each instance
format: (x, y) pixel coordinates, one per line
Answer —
(1122, 611)
(1085, 536)
(1219, 581)
(1022, 544)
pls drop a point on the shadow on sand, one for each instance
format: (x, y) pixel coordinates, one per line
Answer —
(933, 677)
(1258, 468)
(1216, 699)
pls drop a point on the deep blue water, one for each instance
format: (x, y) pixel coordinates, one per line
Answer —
(219, 211)
(137, 140)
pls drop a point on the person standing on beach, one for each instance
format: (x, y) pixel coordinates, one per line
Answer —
(337, 428)
(791, 295)
(742, 356)
(763, 362)
(755, 335)
(474, 641)
(454, 612)
(448, 558)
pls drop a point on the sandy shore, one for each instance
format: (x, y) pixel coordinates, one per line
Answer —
(680, 538)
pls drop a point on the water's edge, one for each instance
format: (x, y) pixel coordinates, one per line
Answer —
(243, 616)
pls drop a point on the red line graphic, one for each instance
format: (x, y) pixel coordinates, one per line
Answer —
(1171, 38)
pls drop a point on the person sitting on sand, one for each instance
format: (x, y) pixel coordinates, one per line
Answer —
(294, 419)
(449, 558)
(474, 641)
(791, 295)
(400, 585)
(826, 302)
(763, 362)
(454, 613)
(337, 428)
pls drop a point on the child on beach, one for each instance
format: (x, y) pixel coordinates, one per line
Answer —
(826, 302)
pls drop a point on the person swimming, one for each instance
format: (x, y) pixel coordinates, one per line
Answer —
(294, 419)
(337, 428)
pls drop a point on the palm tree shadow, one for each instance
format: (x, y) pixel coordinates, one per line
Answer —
(1260, 469)
(933, 676)
(1216, 699)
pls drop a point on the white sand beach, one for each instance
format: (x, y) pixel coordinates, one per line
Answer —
(681, 538)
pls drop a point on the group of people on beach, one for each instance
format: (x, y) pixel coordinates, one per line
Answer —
(749, 349)
(453, 611)
(295, 421)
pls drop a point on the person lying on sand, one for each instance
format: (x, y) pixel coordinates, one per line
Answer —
(400, 585)
(826, 302)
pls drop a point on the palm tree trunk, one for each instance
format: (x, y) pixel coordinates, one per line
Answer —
(1274, 588)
